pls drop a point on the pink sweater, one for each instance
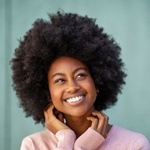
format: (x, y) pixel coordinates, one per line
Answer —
(117, 139)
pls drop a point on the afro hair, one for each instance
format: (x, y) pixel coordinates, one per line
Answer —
(72, 35)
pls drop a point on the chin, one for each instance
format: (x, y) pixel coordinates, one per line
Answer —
(77, 113)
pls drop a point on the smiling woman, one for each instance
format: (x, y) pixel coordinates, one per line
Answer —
(65, 72)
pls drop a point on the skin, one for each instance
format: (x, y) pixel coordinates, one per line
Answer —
(68, 78)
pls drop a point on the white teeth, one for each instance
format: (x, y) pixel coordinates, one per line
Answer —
(75, 99)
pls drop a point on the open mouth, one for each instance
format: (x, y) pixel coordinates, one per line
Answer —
(75, 99)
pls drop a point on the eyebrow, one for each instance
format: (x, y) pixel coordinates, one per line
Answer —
(62, 74)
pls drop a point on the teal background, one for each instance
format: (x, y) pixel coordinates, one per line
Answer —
(128, 21)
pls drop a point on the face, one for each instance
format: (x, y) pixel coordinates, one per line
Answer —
(71, 86)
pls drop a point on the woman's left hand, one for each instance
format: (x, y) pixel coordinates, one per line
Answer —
(99, 122)
(54, 120)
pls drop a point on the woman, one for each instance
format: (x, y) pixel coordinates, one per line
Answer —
(65, 72)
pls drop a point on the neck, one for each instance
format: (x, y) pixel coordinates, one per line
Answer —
(79, 124)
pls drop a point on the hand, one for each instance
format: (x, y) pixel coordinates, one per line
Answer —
(53, 123)
(99, 122)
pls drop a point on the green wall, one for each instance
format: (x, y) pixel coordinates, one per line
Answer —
(127, 21)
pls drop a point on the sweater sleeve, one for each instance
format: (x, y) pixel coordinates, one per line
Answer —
(141, 143)
(66, 139)
(89, 140)
(26, 144)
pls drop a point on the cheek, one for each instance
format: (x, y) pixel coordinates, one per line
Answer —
(54, 98)
(55, 94)
(92, 89)
(52, 92)
(90, 85)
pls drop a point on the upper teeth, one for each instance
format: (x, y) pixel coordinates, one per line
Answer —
(74, 99)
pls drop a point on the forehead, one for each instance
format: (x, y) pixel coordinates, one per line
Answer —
(65, 63)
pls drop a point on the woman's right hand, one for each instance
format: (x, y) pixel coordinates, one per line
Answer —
(53, 123)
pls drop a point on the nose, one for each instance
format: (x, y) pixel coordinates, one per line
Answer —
(72, 87)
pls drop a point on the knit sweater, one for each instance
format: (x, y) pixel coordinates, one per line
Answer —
(117, 139)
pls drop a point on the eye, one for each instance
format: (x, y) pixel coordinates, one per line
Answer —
(81, 75)
(59, 81)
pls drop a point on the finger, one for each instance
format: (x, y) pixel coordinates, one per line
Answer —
(47, 106)
(46, 118)
(94, 121)
(105, 127)
(45, 115)
(101, 119)
(101, 116)
(103, 122)
(106, 119)
(50, 108)
(49, 112)
(98, 114)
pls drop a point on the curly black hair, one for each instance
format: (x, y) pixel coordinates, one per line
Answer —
(72, 35)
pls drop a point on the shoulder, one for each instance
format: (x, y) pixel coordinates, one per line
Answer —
(132, 139)
(47, 140)
(39, 139)
(40, 134)
(122, 132)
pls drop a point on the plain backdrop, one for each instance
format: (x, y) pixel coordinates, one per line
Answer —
(128, 21)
